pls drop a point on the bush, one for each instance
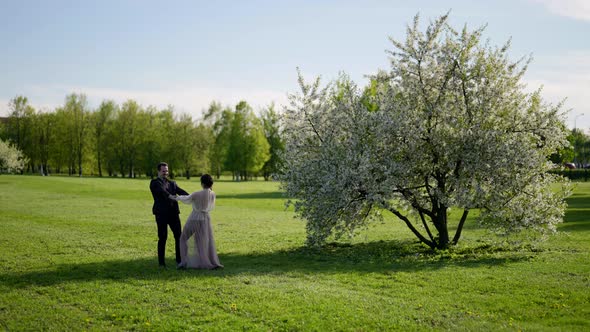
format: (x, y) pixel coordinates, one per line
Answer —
(11, 158)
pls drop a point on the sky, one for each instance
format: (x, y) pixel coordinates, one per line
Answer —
(190, 53)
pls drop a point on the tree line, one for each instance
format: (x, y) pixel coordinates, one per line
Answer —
(128, 140)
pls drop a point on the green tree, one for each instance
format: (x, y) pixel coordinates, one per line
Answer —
(203, 142)
(153, 145)
(62, 151)
(185, 131)
(193, 146)
(172, 140)
(272, 132)
(235, 158)
(248, 149)
(565, 154)
(579, 142)
(19, 127)
(44, 137)
(128, 132)
(77, 123)
(219, 120)
(102, 118)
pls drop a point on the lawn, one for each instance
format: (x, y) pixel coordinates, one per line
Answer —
(80, 254)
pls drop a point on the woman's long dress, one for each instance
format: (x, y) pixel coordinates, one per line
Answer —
(197, 246)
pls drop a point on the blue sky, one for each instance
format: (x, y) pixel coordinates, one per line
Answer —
(189, 53)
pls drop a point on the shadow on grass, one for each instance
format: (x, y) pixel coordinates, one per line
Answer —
(578, 201)
(577, 216)
(374, 257)
(263, 195)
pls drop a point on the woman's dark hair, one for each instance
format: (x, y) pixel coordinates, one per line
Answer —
(207, 181)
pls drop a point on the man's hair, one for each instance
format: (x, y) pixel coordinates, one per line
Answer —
(162, 164)
(207, 180)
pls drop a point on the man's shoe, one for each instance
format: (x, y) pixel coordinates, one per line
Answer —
(162, 266)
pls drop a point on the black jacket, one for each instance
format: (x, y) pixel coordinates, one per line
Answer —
(160, 190)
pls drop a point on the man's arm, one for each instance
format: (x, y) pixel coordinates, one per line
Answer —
(158, 190)
(180, 190)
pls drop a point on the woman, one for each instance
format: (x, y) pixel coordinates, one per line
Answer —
(200, 253)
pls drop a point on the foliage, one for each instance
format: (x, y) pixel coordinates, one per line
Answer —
(580, 148)
(219, 120)
(76, 110)
(44, 137)
(101, 121)
(128, 132)
(248, 149)
(11, 158)
(449, 126)
(239, 144)
(193, 146)
(273, 134)
(565, 154)
(19, 128)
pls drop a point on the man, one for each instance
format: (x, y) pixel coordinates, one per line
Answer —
(166, 211)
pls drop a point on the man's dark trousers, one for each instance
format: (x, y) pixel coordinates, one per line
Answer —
(163, 222)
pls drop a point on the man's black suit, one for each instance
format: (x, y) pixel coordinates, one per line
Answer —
(166, 211)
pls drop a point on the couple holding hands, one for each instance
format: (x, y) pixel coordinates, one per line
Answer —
(195, 246)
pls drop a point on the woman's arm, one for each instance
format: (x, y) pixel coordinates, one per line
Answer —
(180, 190)
(187, 199)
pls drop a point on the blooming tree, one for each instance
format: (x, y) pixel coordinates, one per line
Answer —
(11, 158)
(450, 125)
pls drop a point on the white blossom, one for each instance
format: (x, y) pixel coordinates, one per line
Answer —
(11, 158)
(449, 125)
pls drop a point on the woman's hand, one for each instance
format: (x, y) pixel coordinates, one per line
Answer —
(172, 197)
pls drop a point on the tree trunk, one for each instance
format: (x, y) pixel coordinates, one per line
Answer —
(99, 165)
(440, 222)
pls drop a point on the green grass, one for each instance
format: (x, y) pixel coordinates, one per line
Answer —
(80, 254)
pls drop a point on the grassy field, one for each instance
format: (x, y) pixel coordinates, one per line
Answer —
(80, 254)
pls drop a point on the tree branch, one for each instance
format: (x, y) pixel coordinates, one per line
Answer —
(460, 226)
(446, 80)
(413, 200)
(410, 226)
(427, 228)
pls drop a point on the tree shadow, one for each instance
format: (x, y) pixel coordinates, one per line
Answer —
(577, 216)
(578, 201)
(374, 257)
(257, 195)
(230, 180)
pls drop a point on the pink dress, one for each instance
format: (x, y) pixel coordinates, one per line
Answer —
(197, 246)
